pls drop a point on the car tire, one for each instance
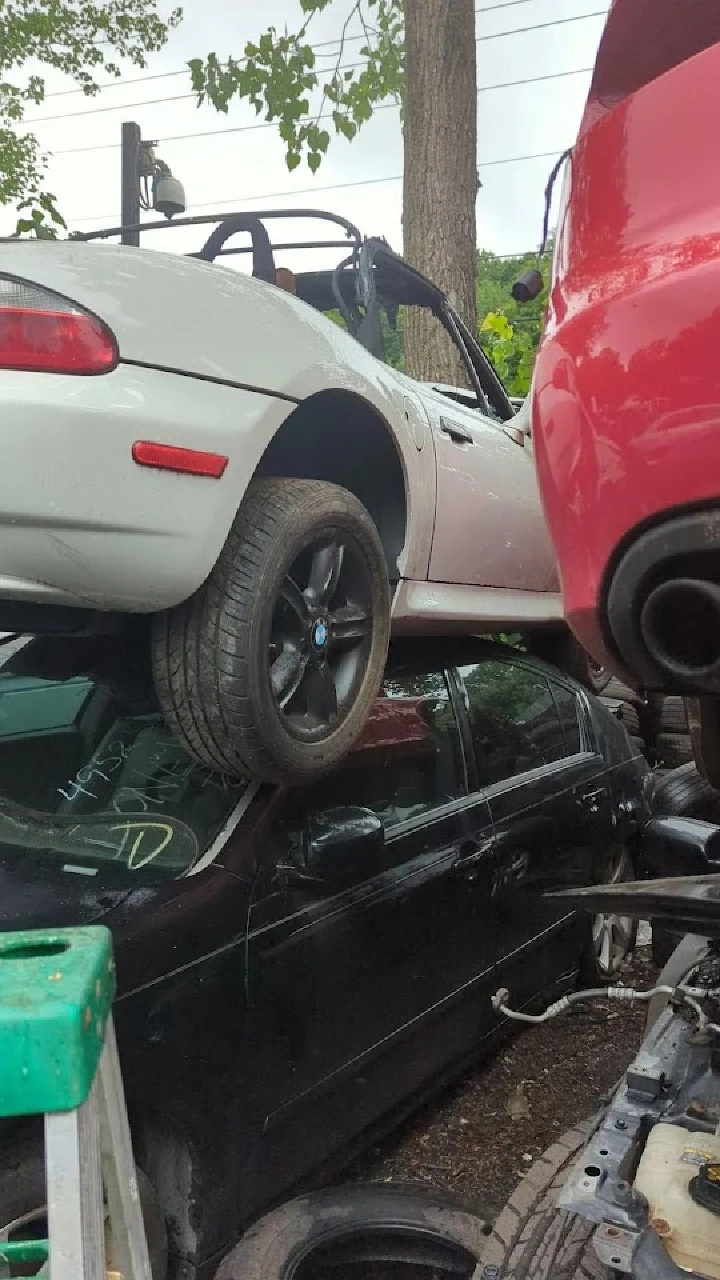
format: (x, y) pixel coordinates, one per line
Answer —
(673, 749)
(368, 1222)
(630, 720)
(673, 716)
(610, 938)
(22, 1200)
(296, 551)
(620, 692)
(534, 1240)
(684, 793)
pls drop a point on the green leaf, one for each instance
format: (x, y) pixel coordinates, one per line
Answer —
(280, 77)
(197, 75)
(81, 39)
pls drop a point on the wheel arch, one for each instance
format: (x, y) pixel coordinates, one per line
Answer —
(312, 444)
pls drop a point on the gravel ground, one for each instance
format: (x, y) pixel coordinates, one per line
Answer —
(548, 1077)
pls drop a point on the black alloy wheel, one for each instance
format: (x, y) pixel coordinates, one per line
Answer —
(320, 636)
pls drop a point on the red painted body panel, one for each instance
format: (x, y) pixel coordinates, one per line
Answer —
(626, 391)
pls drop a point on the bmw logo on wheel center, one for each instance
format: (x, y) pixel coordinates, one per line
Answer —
(320, 634)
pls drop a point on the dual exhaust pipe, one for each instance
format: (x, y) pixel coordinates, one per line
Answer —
(680, 627)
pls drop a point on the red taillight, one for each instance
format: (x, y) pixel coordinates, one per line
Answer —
(41, 332)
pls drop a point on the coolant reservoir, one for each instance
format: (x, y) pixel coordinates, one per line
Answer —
(691, 1234)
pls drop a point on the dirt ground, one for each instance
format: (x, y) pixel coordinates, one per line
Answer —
(549, 1077)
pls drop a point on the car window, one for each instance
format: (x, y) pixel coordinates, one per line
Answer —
(568, 711)
(92, 783)
(441, 344)
(514, 720)
(408, 760)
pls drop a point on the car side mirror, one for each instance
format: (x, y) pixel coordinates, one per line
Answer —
(528, 286)
(681, 847)
(342, 846)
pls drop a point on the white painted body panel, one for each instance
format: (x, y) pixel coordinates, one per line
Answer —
(230, 357)
(489, 527)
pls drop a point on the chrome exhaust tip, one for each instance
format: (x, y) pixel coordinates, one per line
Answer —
(680, 625)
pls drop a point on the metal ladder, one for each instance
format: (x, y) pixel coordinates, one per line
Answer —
(58, 1058)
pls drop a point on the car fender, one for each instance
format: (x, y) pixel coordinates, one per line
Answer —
(204, 321)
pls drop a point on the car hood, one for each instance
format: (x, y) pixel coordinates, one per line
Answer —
(29, 901)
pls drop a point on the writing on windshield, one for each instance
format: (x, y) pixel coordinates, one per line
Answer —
(91, 774)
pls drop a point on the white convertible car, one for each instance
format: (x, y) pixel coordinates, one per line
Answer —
(208, 452)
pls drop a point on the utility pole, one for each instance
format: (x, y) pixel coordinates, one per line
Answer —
(131, 145)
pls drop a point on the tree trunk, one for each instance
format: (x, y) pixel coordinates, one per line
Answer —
(440, 174)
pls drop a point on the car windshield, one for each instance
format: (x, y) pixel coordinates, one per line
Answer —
(92, 782)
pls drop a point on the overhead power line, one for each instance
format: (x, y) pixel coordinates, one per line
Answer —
(121, 83)
(252, 128)
(184, 97)
(324, 44)
(241, 201)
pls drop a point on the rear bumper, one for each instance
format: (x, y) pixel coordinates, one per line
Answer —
(626, 413)
(627, 436)
(81, 524)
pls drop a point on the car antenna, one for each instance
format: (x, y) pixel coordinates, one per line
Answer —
(527, 287)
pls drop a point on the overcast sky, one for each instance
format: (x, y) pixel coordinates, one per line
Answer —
(238, 167)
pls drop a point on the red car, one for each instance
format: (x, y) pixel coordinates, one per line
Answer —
(626, 393)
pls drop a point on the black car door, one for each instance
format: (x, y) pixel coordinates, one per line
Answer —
(551, 810)
(363, 992)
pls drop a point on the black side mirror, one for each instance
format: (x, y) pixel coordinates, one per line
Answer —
(528, 286)
(681, 847)
(343, 845)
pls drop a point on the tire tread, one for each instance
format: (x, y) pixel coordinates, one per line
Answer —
(534, 1240)
(201, 657)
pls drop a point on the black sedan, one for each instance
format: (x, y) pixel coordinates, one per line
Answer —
(298, 967)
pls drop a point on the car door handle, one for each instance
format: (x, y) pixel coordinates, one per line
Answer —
(457, 433)
(591, 799)
(472, 852)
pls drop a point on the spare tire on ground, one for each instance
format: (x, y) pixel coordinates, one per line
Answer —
(534, 1240)
(673, 749)
(622, 692)
(271, 669)
(685, 794)
(673, 716)
(312, 1236)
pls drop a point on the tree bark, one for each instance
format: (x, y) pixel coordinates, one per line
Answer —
(440, 174)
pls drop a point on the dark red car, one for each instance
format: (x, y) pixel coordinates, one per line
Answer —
(626, 396)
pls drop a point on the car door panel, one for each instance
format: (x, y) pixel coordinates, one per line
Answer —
(543, 844)
(360, 996)
(551, 812)
(489, 526)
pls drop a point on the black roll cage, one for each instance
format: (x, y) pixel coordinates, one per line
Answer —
(378, 280)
